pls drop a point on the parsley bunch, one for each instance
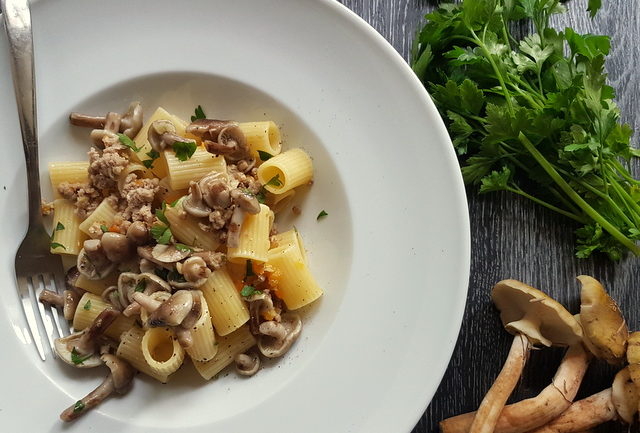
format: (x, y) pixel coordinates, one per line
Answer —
(534, 116)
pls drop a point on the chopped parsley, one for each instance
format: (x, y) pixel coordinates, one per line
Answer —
(87, 305)
(128, 142)
(249, 272)
(199, 114)
(142, 284)
(78, 407)
(160, 213)
(184, 248)
(161, 233)
(78, 359)
(55, 245)
(176, 277)
(249, 291)
(322, 214)
(175, 202)
(261, 196)
(264, 156)
(59, 226)
(162, 273)
(104, 228)
(149, 162)
(274, 181)
(184, 149)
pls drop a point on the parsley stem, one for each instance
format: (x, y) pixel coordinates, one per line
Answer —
(622, 171)
(568, 214)
(608, 199)
(566, 188)
(630, 203)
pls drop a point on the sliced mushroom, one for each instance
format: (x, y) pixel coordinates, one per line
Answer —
(246, 201)
(131, 122)
(277, 337)
(231, 143)
(215, 190)
(247, 364)
(153, 283)
(119, 380)
(193, 204)
(233, 230)
(93, 262)
(173, 311)
(138, 233)
(68, 301)
(605, 329)
(81, 348)
(116, 246)
(169, 253)
(162, 134)
(146, 266)
(112, 295)
(195, 271)
(208, 129)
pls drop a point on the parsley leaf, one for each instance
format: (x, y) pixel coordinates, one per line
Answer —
(530, 118)
(184, 149)
(149, 162)
(78, 407)
(78, 359)
(160, 214)
(182, 247)
(104, 228)
(175, 202)
(87, 305)
(59, 226)
(176, 276)
(128, 142)
(199, 114)
(274, 181)
(264, 156)
(141, 286)
(55, 245)
(322, 214)
(261, 196)
(249, 291)
(161, 233)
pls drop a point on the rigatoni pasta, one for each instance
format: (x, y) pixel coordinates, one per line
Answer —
(177, 251)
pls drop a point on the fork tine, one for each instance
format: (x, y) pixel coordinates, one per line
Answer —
(54, 311)
(39, 285)
(27, 307)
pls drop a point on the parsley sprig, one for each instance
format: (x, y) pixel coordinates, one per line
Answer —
(529, 119)
(199, 114)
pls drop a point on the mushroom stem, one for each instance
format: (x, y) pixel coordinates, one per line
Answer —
(534, 412)
(582, 415)
(495, 399)
(51, 298)
(94, 122)
(90, 401)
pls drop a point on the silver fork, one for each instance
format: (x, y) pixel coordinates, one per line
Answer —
(36, 268)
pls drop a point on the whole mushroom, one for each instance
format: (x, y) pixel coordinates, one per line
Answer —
(93, 262)
(162, 134)
(116, 246)
(247, 364)
(277, 337)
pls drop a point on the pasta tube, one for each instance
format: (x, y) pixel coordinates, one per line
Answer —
(289, 238)
(72, 172)
(280, 202)
(263, 136)
(201, 163)
(229, 346)
(103, 215)
(254, 237)
(185, 228)
(204, 345)
(226, 307)
(130, 348)
(67, 237)
(97, 286)
(161, 351)
(286, 171)
(297, 287)
(88, 309)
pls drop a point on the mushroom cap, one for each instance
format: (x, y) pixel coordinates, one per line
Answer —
(633, 357)
(530, 312)
(121, 372)
(274, 347)
(156, 130)
(193, 204)
(247, 364)
(64, 347)
(169, 253)
(625, 396)
(605, 329)
(96, 268)
(116, 246)
(131, 122)
(195, 270)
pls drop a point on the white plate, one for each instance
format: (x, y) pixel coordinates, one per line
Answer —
(393, 254)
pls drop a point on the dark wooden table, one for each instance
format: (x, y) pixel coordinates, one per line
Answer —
(512, 238)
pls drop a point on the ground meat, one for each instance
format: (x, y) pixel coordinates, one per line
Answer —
(85, 197)
(214, 260)
(137, 197)
(105, 167)
(46, 208)
(220, 218)
(248, 181)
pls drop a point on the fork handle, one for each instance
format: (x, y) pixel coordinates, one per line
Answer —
(17, 21)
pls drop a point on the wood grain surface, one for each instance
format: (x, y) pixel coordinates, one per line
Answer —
(512, 238)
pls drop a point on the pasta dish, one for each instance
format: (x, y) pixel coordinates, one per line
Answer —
(171, 228)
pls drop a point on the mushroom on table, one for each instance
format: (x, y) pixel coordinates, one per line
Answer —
(535, 319)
